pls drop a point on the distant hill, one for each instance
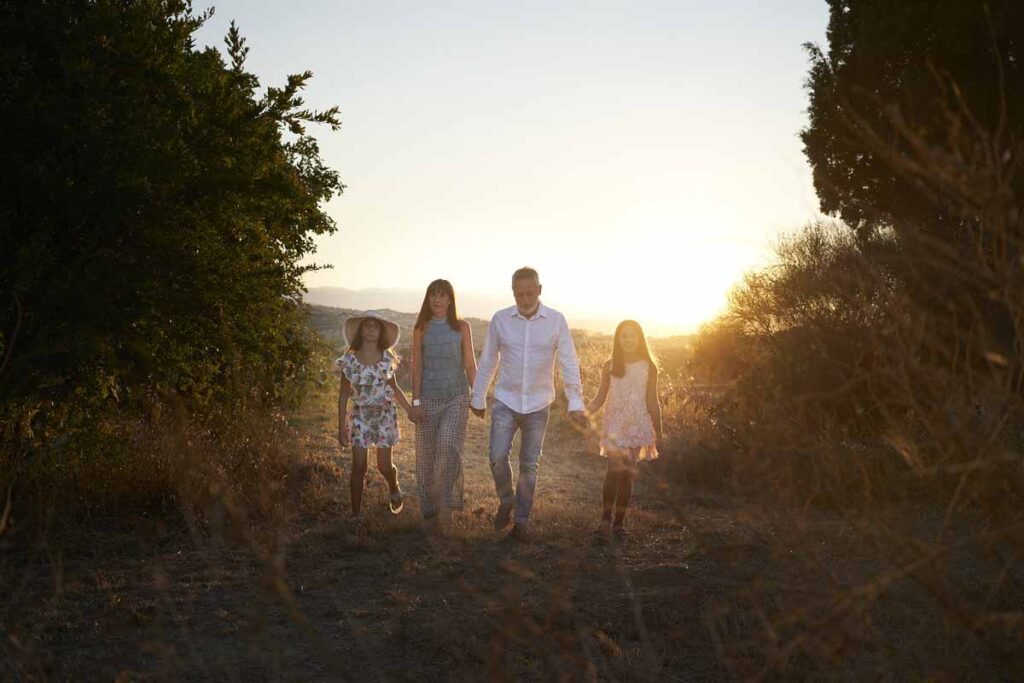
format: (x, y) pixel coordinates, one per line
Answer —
(471, 304)
(328, 322)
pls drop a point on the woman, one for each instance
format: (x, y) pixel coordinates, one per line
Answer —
(443, 370)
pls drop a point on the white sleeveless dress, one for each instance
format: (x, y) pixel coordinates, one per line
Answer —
(627, 424)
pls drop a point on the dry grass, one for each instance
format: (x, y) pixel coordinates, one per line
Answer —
(709, 587)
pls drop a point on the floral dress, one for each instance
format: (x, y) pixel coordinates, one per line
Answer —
(627, 423)
(373, 418)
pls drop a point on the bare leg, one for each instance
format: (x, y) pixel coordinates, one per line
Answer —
(611, 485)
(357, 478)
(387, 468)
(624, 490)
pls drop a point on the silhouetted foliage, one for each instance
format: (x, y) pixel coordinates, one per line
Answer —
(154, 214)
(917, 59)
(887, 359)
(916, 124)
(870, 366)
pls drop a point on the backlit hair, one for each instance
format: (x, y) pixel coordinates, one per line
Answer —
(526, 273)
(619, 356)
(436, 287)
(383, 341)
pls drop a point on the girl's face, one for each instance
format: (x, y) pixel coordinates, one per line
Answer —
(370, 331)
(629, 339)
(439, 303)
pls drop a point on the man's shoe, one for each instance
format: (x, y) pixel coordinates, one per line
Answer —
(519, 533)
(503, 516)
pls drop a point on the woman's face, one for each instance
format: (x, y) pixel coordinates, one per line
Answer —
(439, 303)
(370, 330)
(629, 339)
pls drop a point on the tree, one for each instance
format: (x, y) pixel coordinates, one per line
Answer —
(917, 132)
(155, 210)
(911, 62)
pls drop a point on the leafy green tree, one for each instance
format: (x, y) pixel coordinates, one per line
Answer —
(154, 208)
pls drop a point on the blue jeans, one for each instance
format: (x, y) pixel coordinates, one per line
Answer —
(504, 424)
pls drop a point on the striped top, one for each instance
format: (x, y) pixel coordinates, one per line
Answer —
(444, 374)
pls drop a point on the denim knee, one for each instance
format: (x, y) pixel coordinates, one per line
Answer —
(529, 466)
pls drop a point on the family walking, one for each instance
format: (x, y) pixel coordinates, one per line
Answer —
(523, 343)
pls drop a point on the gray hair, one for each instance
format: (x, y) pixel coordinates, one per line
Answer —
(525, 273)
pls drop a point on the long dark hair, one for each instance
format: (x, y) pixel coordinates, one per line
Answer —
(438, 287)
(383, 341)
(619, 356)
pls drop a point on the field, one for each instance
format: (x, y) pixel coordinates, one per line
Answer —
(709, 586)
(841, 489)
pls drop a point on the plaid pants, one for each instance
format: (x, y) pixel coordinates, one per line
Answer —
(439, 439)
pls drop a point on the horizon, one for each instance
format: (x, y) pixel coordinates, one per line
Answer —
(391, 299)
(640, 157)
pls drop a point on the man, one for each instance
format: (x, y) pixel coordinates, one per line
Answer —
(521, 346)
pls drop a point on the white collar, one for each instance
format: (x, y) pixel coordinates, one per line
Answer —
(542, 312)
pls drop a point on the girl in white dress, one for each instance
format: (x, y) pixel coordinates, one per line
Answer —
(631, 428)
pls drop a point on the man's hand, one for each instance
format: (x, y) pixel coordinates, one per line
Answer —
(479, 412)
(416, 413)
(579, 417)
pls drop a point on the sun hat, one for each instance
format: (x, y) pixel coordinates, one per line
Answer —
(352, 327)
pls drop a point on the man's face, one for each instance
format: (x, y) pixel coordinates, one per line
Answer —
(527, 293)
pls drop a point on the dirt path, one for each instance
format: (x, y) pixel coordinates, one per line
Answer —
(704, 590)
(400, 605)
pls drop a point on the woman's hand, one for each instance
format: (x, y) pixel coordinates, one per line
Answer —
(416, 414)
(344, 436)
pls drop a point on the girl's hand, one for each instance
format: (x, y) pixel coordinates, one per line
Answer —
(344, 436)
(416, 413)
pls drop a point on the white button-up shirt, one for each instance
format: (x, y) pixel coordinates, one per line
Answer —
(523, 351)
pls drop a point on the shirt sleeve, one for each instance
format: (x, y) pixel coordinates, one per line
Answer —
(570, 368)
(339, 368)
(486, 366)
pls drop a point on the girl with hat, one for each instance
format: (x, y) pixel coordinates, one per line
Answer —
(367, 372)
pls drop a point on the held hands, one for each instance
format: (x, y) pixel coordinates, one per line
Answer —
(479, 412)
(579, 418)
(415, 413)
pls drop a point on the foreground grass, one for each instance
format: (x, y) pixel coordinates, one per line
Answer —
(707, 588)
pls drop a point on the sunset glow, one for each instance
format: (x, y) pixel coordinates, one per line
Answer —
(601, 144)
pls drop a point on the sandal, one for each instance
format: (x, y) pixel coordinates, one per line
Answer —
(395, 502)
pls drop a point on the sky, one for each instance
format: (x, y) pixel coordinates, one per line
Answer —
(640, 155)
